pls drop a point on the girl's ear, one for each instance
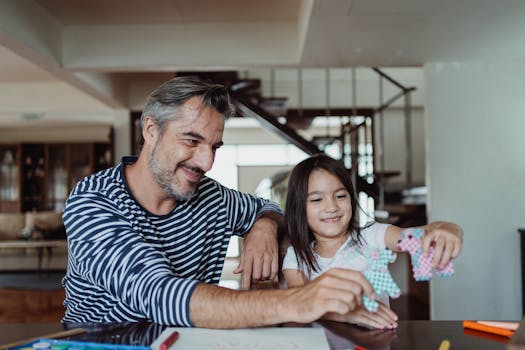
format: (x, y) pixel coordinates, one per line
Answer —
(149, 131)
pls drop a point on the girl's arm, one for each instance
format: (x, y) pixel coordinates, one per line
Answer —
(446, 237)
(294, 278)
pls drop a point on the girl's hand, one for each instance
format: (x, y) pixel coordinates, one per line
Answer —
(447, 239)
(368, 338)
(383, 318)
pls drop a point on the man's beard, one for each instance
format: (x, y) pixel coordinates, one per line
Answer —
(167, 180)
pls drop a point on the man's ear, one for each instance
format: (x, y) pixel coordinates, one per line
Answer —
(149, 130)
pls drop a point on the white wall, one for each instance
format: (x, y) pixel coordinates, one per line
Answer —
(476, 177)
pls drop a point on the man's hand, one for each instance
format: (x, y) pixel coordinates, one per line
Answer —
(447, 239)
(259, 258)
(337, 290)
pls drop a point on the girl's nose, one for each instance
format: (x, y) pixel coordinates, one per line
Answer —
(331, 206)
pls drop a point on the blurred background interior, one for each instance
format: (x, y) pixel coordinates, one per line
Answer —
(423, 101)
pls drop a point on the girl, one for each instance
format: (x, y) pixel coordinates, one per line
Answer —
(322, 227)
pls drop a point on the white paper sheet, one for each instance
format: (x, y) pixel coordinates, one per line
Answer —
(281, 338)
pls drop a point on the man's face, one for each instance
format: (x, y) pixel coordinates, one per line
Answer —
(186, 150)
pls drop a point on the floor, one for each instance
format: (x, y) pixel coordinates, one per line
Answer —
(26, 305)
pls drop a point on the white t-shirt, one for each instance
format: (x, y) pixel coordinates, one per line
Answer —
(348, 256)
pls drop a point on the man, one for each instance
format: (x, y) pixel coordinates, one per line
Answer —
(147, 239)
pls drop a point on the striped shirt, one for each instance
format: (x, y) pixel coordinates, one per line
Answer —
(127, 264)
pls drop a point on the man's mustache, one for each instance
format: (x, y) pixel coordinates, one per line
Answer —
(192, 168)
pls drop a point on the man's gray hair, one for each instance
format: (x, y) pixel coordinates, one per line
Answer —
(163, 103)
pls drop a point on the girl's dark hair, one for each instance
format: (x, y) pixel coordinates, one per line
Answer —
(298, 232)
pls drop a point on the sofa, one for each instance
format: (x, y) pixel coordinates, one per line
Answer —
(18, 238)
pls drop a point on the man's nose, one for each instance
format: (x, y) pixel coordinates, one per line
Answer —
(204, 158)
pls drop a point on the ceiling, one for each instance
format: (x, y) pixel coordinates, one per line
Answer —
(83, 56)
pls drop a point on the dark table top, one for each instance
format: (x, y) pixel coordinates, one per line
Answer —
(413, 335)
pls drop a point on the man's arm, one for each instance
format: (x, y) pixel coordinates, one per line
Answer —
(337, 290)
(259, 259)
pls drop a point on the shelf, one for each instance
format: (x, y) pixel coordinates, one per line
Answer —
(40, 176)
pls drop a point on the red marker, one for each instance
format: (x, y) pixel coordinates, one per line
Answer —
(169, 341)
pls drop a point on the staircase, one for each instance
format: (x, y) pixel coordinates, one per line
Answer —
(356, 140)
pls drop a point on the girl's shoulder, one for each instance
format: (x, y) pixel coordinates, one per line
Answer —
(374, 233)
(374, 227)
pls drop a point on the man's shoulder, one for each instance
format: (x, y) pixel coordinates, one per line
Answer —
(104, 190)
(101, 181)
(208, 181)
(207, 185)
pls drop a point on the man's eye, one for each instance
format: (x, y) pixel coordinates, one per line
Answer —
(192, 142)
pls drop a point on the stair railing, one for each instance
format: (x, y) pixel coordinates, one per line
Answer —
(357, 139)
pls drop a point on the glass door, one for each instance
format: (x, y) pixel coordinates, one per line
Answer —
(9, 178)
(57, 184)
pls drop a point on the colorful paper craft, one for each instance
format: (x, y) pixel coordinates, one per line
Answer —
(379, 277)
(411, 242)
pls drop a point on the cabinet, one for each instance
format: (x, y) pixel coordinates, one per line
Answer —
(39, 176)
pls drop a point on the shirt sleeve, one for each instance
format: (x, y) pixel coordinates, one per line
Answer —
(290, 260)
(374, 235)
(243, 209)
(106, 254)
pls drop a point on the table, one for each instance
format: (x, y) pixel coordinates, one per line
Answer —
(39, 245)
(413, 335)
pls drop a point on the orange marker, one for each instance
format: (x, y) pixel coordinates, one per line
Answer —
(505, 325)
(489, 329)
(485, 335)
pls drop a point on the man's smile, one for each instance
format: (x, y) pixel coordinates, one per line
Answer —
(193, 174)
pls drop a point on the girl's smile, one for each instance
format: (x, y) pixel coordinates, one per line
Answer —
(332, 219)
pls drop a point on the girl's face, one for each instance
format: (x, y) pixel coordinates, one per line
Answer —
(328, 206)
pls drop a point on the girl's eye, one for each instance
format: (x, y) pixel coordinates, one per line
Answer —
(315, 199)
(341, 196)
